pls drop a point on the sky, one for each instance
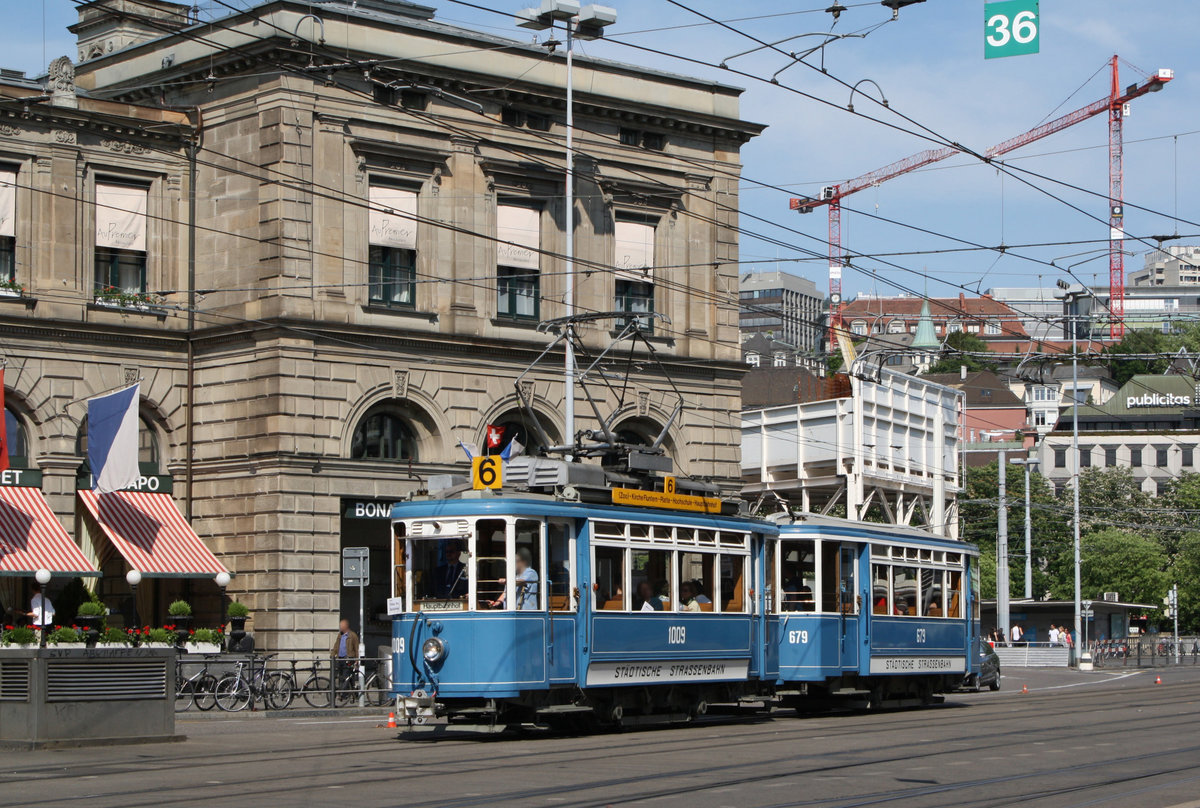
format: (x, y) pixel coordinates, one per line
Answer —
(930, 65)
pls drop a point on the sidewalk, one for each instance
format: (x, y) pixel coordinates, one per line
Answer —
(217, 714)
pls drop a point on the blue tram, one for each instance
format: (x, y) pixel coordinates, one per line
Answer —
(544, 606)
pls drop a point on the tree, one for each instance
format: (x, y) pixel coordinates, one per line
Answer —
(1141, 342)
(1186, 572)
(963, 344)
(1114, 560)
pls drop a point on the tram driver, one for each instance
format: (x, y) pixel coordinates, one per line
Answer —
(450, 578)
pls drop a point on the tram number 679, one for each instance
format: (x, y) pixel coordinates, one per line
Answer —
(798, 637)
(676, 635)
(920, 635)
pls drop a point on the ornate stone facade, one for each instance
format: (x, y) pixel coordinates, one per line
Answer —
(300, 346)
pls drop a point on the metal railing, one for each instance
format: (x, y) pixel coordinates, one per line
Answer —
(1145, 652)
(306, 682)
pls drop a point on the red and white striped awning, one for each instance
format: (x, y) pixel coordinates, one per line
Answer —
(150, 534)
(32, 538)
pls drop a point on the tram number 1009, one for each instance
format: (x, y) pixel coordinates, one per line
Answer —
(676, 635)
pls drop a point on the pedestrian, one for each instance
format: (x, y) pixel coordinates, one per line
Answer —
(1016, 634)
(1065, 638)
(1054, 635)
(344, 651)
(41, 610)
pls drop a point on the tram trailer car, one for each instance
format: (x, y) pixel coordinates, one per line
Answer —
(528, 609)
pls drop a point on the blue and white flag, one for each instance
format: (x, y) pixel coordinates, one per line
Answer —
(113, 440)
(514, 449)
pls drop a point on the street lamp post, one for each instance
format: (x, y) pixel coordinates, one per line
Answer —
(1027, 462)
(43, 578)
(1003, 612)
(133, 578)
(222, 580)
(586, 23)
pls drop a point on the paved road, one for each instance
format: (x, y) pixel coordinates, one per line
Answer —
(1102, 739)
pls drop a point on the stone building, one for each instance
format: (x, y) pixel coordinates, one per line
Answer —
(378, 229)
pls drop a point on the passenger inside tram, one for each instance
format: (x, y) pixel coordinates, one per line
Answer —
(687, 598)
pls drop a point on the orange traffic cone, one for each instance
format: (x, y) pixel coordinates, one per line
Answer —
(1158, 680)
(1025, 689)
(391, 720)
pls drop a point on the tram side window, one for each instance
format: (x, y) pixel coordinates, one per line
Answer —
(610, 575)
(650, 580)
(905, 591)
(695, 582)
(490, 562)
(799, 576)
(558, 571)
(527, 582)
(880, 589)
(931, 593)
(733, 583)
(954, 593)
(398, 560)
(837, 569)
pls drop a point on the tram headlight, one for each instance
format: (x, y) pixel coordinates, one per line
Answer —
(434, 650)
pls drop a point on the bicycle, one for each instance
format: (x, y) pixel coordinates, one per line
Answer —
(235, 691)
(200, 688)
(376, 690)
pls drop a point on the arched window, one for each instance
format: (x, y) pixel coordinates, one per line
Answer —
(149, 455)
(383, 434)
(18, 440)
(516, 426)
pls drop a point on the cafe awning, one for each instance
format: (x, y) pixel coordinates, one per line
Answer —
(150, 534)
(32, 538)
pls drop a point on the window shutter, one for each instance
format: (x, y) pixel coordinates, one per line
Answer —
(121, 217)
(393, 217)
(635, 251)
(8, 203)
(523, 227)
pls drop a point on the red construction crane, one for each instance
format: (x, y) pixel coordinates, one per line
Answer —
(1115, 104)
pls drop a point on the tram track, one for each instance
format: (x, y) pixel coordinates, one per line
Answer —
(784, 748)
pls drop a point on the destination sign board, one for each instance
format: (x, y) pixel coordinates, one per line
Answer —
(663, 499)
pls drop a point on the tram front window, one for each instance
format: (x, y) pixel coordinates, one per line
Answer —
(490, 565)
(440, 573)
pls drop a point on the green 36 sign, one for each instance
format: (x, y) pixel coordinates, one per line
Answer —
(1010, 28)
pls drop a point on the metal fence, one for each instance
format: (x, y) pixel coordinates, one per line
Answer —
(211, 682)
(1145, 652)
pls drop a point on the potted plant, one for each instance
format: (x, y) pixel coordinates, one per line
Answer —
(115, 637)
(181, 615)
(18, 637)
(238, 613)
(158, 637)
(65, 637)
(204, 641)
(90, 618)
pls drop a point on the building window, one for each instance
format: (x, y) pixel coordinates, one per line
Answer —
(631, 137)
(752, 359)
(393, 277)
(149, 456)
(1187, 456)
(1039, 417)
(896, 359)
(858, 328)
(954, 328)
(518, 261)
(8, 225)
(780, 359)
(1085, 457)
(634, 240)
(1161, 457)
(992, 328)
(1135, 458)
(18, 440)
(1110, 456)
(1060, 458)
(1043, 393)
(383, 434)
(636, 298)
(120, 239)
(392, 241)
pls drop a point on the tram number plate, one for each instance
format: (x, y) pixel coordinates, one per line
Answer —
(798, 637)
(676, 635)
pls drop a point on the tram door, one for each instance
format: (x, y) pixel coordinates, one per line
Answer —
(840, 574)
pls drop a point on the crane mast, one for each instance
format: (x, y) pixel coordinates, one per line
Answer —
(1115, 104)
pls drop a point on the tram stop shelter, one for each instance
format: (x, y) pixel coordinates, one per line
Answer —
(1111, 619)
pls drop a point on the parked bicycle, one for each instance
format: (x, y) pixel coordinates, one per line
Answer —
(199, 689)
(237, 690)
(376, 686)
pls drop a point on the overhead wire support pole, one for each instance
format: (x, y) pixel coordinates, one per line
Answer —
(569, 268)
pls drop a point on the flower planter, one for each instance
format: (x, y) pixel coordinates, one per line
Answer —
(183, 625)
(202, 648)
(65, 645)
(90, 625)
(237, 630)
(18, 647)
